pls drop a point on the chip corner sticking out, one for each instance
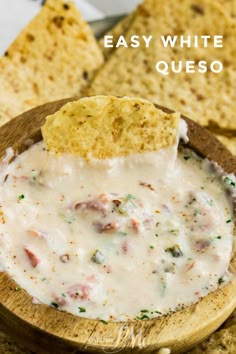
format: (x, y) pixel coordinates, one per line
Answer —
(107, 126)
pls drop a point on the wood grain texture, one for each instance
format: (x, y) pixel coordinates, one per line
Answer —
(47, 330)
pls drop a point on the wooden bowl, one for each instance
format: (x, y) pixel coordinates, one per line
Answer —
(46, 330)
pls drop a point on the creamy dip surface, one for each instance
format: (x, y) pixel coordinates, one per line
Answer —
(127, 238)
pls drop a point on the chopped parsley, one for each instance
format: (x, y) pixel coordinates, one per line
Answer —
(17, 288)
(82, 309)
(156, 235)
(228, 221)
(210, 202)
(218, 237)
(122, 233)
(230, 182)
(103, 321)
(145, 314)
(186, 157)
(158, 312)
(130, 197)
(69, 218)
(143, 317)
(55, 305)
(220, 281)
(34, 175)
(21, 197)
(152, 247)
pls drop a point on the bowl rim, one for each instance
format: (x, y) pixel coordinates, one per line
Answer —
(27, 322)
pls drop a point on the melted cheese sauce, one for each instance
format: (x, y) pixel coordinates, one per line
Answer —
(133, 237)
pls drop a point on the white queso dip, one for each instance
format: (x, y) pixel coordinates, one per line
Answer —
(126, 238)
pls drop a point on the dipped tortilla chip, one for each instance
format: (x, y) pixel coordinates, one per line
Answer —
(105, 127)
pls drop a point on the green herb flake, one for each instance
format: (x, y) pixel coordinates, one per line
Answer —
(55, 305)
(151, 247)
(21, 197)
(220, 280)
(228, 221)
(143, 317)
(144, 311)
(69, 218)
(82, 309)
(34, 176)
(122, 233)
(17, 288)
(196, 212)
(104, 322)
(156, 235)
(230, 182)
(64, 295)
(187, 157)
(130, 197)
(218, 237)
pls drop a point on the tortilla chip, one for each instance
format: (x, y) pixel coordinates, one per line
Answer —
(120, 29)
(52, 58)
(105, 127)
(230, 143)
(229, 6)
(202, 97)
(221, 342)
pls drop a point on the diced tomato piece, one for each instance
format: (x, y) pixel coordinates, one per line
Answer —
(135, 224)
(125, 247)
(98, 204)
(34, 260)
(103, 198)
(111, 226)
(79, 291)
(91, 278)
(108, 269)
